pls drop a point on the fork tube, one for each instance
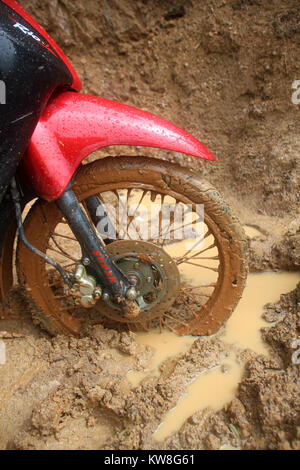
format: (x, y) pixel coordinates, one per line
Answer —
(92, 246)
(93, 204)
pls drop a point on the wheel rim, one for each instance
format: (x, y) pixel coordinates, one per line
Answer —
(201, 267)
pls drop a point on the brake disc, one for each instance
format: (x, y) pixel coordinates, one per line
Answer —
(153, 273)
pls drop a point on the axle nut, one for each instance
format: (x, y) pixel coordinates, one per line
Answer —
(131, 294)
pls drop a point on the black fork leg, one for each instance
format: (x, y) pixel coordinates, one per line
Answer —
(93, 204)
(92, 246)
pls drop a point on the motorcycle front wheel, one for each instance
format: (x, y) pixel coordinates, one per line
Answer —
(175, 235)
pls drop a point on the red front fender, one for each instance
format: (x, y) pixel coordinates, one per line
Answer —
(75, 125)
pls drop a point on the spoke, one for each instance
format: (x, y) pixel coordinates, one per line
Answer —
(71, 264)
(167, 231)
(153, 195)
(87, 213)
(189, 307)
(147, 329)
(165, 238)
(200, 287)
(160, 222)
(62, 254)
(187, 225)
(194, 298)
(128, 223)
(208, 233)
(212, 245)
(180, 260)
(131, 217)
(202, 266)
(175, 319)
(160, 218)
(65, 236)
(160, 215)
(110, 213)
(170, 328)
(59, 247)
(186, 293)
(107, 206)
(128, 195)
(102, 200)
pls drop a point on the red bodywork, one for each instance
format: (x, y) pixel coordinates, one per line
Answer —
(74, 125)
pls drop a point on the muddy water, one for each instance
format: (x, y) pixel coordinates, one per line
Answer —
(243, 328)
(215, 387)
(165, 345)
(204, 391)
(252, 231)
(242, 331)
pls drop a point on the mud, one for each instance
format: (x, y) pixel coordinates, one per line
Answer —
(223, 70)
(111, 390)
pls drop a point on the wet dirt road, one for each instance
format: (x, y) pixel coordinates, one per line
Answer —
(67, 393)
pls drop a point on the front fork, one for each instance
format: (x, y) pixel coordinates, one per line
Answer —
(95, 257)
(93, 248)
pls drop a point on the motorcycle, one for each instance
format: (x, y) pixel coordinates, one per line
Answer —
(80, 252)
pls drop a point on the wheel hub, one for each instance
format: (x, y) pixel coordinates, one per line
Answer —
(153, 274)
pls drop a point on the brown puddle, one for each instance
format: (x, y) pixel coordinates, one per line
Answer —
(165, 344)
(202, 392)
(252, 231)
(242, 331)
